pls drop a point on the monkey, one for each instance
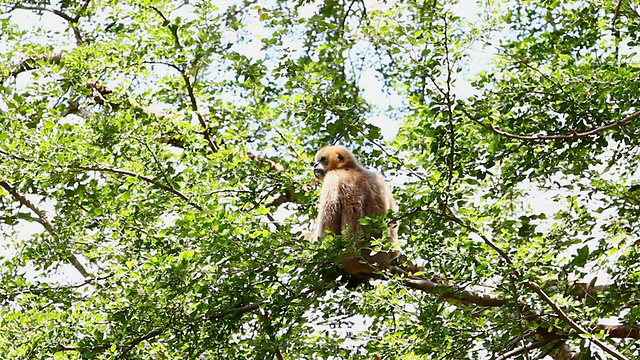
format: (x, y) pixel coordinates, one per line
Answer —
(349, 193)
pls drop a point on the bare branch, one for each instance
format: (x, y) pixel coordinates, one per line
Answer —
(44, 222)
(59, 13)
(451, 292)
(573, 135)
(525, 349)
(575, 326)
(143, 178)
(491, 244)
(72, 20)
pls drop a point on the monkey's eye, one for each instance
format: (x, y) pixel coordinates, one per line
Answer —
(323, 159)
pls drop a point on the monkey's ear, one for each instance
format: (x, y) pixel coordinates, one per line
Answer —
(340, 157)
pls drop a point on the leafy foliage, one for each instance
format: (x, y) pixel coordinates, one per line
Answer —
(155, 182)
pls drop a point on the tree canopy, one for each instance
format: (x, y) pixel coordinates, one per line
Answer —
(155, 178)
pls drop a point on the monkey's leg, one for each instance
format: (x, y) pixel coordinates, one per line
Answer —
(359, 267)
(367, 265)
(403, 263)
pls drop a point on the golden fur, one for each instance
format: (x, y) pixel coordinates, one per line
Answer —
(349, 193)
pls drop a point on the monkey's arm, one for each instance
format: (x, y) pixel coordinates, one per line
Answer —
(329, 211)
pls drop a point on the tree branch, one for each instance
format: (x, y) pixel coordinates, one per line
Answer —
(121, 172)
(72, 20)
(536, 288)
(451, 292)
(143, 178)
(29, 63)
(525, 349)
(133, 343)
(172, 29)
(562, 315)
(616, 16)
(189, 85)
(59, 13)
(42, 219)
(42, 290)
(491, 244)
(574, 135)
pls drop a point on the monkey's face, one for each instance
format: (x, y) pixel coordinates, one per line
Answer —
(320, 167)
(327, 159)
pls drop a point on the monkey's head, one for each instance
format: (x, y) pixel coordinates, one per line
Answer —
(333, 158)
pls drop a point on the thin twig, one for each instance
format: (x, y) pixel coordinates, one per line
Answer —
(452, 128)
(189, 85)
(150, 335)
(44, 222)
(573, 135)
(174, 30)
(41, 290)
(56, 12)
(143, 178)
(498, 249)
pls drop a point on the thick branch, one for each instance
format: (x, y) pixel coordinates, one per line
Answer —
(536, 288)
(453, 293)
(573, 135)
(618, 331)
(42, 219)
